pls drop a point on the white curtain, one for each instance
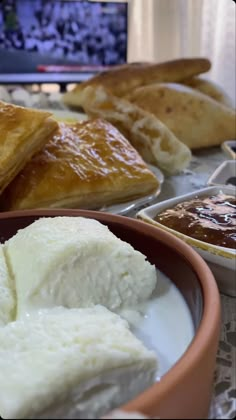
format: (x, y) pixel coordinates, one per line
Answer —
(218, 41)
(165, 29)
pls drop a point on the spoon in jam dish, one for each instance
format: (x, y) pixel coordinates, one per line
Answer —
(231, 181)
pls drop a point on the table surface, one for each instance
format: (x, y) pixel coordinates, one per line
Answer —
(194, 178)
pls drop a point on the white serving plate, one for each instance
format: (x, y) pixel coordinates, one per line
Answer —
(130, 206)
(223, 173)
(67, 116)
(222, 261)
(227, 148)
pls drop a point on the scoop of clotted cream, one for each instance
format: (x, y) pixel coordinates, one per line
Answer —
(71, 363)
(76, 262)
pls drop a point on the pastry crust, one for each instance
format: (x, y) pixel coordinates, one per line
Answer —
(87, 165)
(23, 133)
(123, 79)
(151, 138)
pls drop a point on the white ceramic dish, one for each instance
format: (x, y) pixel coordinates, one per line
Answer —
(228, 146)
(222, 261)
(193, 373)
(225, 174)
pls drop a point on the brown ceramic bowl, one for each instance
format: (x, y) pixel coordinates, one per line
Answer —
(186, 390)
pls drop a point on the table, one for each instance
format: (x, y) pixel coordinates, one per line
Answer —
(192, 179)
(224, 396)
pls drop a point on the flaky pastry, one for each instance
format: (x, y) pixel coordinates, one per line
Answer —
(23, 133)
(87, 165)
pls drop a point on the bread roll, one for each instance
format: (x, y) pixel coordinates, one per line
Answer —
(209, 88)
(76, 263)
(122, 79)
(71, 364)
(152, 139)
(196, 119)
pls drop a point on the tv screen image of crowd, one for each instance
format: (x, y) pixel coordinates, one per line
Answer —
(37, 33)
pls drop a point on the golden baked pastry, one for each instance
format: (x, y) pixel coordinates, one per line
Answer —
(195, 118)
(123, 79)
(209, 88)
(23, 132)
(151, 138)
(86, 165)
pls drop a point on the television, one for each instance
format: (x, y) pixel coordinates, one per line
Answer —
(60, 41)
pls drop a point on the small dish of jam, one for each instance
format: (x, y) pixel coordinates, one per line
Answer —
(207, 219)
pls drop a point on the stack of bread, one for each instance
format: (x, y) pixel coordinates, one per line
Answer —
(169, 98)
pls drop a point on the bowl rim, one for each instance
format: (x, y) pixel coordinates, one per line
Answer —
(209, 324)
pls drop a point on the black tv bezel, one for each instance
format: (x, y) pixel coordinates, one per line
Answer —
(61, 78)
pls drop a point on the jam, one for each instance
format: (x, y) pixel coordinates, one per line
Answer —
(210, 219)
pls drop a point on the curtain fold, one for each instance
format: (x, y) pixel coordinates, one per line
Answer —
(166, 29)
(218, 42)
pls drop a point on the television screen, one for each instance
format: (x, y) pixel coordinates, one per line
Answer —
(61, 35)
